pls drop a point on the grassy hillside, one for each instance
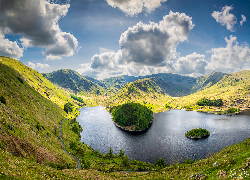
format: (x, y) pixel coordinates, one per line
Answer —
(233, 89)
(71, 80)
(29, 123)
(143, 91)
(38, 82)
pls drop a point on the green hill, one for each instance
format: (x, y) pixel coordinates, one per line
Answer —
(143, 91)
(233, 89)
(29, 123)
(38, 82)
(72, 80)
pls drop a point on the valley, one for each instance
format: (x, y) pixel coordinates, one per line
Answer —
(33, 106)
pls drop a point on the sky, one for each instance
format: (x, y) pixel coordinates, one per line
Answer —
(106, 38)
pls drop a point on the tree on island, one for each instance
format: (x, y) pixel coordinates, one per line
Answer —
(197, 133)
(132, 114)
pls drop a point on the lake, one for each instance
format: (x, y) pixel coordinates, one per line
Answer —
(166, 136)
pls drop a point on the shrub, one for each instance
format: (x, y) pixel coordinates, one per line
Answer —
(73, 145)
(2, 100)
(160, 163)
(68, 107)
(233, 110)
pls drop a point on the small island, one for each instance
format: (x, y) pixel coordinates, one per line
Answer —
(132, 117)
(197, 133)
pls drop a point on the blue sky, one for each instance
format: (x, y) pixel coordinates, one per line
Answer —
(102, 38)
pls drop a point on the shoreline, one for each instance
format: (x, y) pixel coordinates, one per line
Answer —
(133, 131)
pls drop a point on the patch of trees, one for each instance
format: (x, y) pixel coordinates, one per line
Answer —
(233, 110)
(197, 133)
(77, 98)
(68, 107)
(132, 114)
(208, 102)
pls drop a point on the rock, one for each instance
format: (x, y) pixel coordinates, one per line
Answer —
(197, 176)
(215, 164)
(222, 174)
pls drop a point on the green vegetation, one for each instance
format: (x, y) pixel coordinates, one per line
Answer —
(72, 80)
(197, 133)
(208, 102)
(160, 164)
(142, 91)
(233, 89)
(134, 115)
(2, 100)
(77, 98)
(68, 107)
(29, 122)
(233, 110)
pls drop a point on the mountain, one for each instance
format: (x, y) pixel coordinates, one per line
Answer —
(72, 80)
(233, 89)
(119, 81)
(173, 84)
(144, 91)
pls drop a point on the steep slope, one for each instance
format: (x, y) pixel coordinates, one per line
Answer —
(144, 91)
(72, 80)
(233, 89)
(38, 82)
(29, 123)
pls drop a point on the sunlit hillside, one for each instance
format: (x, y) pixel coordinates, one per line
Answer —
(233, 89)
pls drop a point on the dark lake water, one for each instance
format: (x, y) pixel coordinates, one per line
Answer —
(166, 137)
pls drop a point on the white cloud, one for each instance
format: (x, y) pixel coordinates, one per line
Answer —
(37, 21)
(225, 18)
(133, 7)
(32, 65)
(193, 64)
(155, 44)
(244, 19)
(103, 50)
(144, 48)
(230, 58)
(38, 65)
(9, 48)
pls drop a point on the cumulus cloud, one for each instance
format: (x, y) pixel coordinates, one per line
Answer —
(244, 19)
(146, 48)
(193, 64)
(133, 7)
(10, 48)
(38, 65)
(37, 21)
(155, 44)
(233, 57)
(32, 65)
(225, 18)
